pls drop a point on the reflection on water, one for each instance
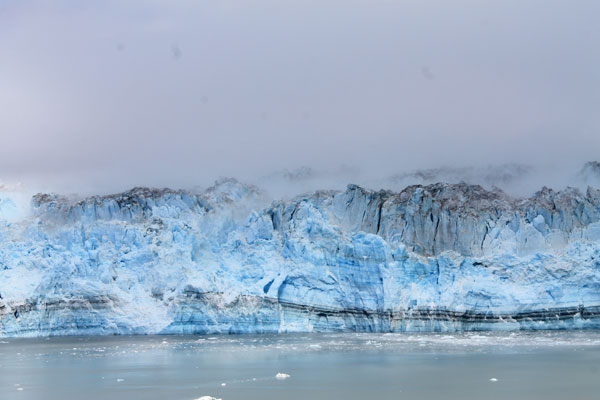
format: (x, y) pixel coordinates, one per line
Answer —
(531, 365)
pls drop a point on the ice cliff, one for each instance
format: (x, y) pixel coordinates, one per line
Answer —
(429, 258)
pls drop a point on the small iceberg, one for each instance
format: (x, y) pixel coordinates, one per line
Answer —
(281, 376)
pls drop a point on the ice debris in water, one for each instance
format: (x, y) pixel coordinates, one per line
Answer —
(281, 376)
(207, 398)
(493, 380)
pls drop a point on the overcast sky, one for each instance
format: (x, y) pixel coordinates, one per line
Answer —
(174, 93)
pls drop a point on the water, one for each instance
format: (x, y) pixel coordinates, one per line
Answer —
(534, 365)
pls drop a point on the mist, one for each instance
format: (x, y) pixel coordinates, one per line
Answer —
(101, 96)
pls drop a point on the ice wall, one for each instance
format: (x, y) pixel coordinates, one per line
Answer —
(431, 258)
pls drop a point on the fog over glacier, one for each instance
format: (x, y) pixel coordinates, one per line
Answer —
(243, 109)
(103, 96)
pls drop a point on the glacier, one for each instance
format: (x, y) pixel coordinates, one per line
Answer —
(437, 257)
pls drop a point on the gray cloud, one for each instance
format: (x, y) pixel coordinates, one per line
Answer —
(112, 94)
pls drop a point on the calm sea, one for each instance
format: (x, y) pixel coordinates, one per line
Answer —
(532, 365)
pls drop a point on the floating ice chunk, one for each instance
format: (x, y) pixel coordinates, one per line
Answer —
(120, 379)
(281, 376)
(207, 398)
(223, 384)
(493, 380)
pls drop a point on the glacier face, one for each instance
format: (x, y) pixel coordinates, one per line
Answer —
(430, 258)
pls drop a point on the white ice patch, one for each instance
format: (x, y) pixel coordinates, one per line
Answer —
(281, 376)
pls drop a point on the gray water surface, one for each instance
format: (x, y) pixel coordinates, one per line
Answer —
(527, 365)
